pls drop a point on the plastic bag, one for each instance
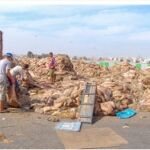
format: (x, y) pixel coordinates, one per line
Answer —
(127, 113)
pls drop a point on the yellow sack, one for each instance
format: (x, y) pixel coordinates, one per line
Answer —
(12, 97)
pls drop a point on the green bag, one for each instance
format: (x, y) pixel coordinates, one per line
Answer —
(138, 66)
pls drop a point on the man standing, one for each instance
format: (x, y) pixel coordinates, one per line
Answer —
(5, 66)
(52, 66)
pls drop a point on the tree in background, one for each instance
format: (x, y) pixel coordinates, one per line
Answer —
(30, 54)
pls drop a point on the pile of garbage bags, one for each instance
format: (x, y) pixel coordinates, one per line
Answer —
(118, 87)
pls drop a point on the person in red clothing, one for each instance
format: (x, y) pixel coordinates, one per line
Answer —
(52, 67)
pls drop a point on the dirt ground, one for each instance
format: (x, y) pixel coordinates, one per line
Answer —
(25, 130)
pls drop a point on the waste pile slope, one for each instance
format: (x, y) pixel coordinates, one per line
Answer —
(122, 85)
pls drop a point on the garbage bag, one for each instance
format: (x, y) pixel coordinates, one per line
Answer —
(127, 113)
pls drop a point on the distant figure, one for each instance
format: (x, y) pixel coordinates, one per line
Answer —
(5, 76)
(52, 67)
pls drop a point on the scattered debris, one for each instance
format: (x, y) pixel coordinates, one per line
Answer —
(2, 137)
(143, 117)
(124, 127)
(3, 119)
(4, 140)
(53, 119)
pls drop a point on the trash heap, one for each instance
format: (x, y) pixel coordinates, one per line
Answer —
(87, 70)
(122, 85)
(63, 96)
(64, 63)
(39, 67)
(62, 99)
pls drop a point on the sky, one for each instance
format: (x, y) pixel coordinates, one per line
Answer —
(77, 30)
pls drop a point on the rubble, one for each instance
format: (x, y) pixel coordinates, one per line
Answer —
(118, 87)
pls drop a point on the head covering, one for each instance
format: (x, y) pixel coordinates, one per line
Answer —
(51, 54)
(9, 54)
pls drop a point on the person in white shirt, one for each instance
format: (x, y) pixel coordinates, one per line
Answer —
(19, 72)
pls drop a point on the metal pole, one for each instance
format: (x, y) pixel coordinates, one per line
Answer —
(1, 44)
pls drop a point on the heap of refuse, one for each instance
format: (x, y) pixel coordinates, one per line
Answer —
(87, 70)
(118, 87)
(39, 67)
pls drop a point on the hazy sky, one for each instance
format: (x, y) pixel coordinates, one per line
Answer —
(77, 30)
